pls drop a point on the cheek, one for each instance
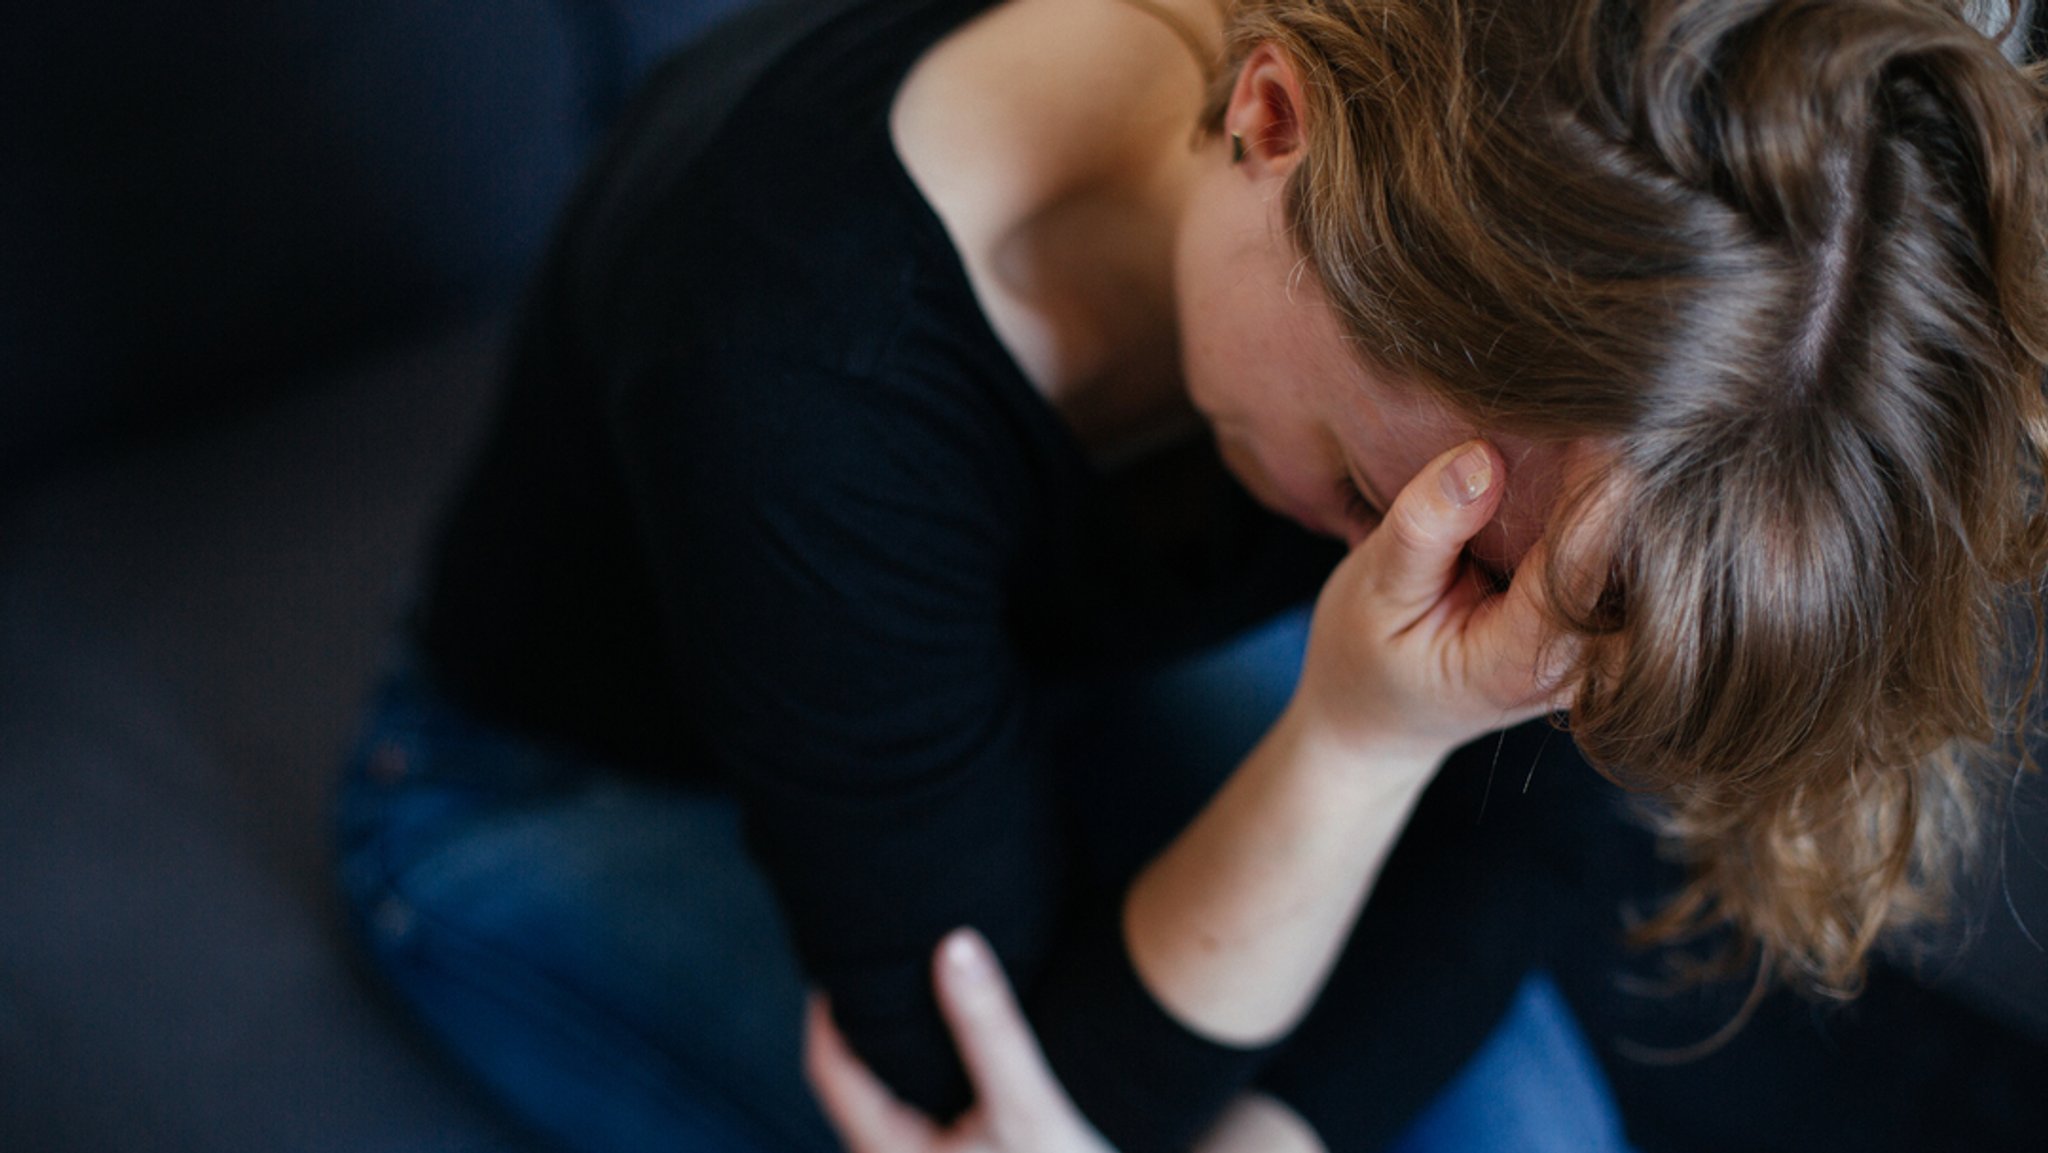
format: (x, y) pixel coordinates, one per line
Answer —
(1262, 472)
(1243, 464)
(1198, 374)
(1285, 481)
(1395, 465)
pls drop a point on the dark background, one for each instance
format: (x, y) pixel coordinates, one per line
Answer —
(254, 264)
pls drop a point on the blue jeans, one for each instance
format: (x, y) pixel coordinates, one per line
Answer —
(602, 954)
(597, 951)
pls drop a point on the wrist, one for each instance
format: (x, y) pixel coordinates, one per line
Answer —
(1358, 754)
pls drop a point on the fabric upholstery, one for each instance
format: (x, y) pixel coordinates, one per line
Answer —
(197, 200)
(185, 636)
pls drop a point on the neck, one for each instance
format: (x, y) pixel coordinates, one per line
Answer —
(1056, 140)
(1099, 257)
(1102, 265)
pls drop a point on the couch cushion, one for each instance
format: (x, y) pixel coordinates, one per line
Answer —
(199, 199)
(185, 636)
(161, 986)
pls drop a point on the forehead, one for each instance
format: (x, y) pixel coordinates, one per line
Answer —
(1392, 427)
(1388, 424)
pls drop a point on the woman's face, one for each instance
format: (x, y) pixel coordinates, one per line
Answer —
(1305, 425)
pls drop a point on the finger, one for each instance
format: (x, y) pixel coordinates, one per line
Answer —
(1256, 1120)
(1516, 634)
(1511, 637)
(1011, 1081)
(1415, 551)
(866, 1115)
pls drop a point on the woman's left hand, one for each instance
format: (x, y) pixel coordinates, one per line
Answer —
(1019, 1107)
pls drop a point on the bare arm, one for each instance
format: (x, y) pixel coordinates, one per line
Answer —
(1234, 927)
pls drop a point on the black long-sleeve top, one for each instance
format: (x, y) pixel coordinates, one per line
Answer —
(768, 504)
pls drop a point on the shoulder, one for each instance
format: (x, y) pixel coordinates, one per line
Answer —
(922, 471)
(1016, 108)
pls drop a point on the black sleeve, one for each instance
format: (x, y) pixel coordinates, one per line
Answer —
(833, 553)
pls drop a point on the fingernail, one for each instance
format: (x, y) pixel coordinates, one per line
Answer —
(966, 954)
(1468, 476)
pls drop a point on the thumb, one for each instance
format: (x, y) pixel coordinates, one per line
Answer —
(866, 1115)
(1413, 554)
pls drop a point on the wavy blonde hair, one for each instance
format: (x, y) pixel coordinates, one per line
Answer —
(1786, 258)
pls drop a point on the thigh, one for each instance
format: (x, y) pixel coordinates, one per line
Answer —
(1496, 867)
(1149, 749)
(1534, 1087)
(599, 951)
(1495, 864)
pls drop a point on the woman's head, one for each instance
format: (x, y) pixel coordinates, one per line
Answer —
(1783, 261)
(1314, 431)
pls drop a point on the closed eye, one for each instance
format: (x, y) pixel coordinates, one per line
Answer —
(1357, 507)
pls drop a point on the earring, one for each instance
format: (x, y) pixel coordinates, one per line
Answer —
(1236, 148)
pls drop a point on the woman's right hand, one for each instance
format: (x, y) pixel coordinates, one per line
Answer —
(1019, 1106)
(1410, 654)
(1234, 926)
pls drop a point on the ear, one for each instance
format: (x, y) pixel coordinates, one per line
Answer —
(1266, 111)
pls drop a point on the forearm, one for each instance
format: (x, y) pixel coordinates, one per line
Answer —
(1235, 926)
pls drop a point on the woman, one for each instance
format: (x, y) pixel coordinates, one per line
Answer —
(845, 469)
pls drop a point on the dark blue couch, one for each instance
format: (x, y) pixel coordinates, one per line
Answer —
(254, 263)
(254, 258)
